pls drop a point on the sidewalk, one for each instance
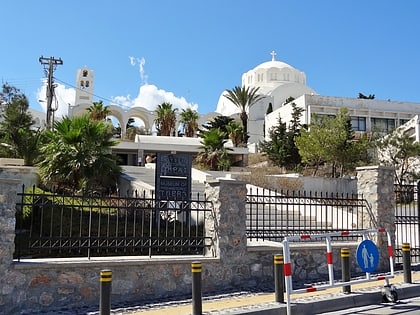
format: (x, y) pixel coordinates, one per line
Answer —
(305, 303)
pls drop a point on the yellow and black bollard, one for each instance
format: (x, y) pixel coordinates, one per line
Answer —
(279, 278)
(406, 256)
(105, 292)
(345, 268)
(196, 288)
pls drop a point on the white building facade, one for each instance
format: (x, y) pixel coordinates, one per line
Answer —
(367, 115)
(278, 81)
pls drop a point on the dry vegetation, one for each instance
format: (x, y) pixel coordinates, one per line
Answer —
(258, 171)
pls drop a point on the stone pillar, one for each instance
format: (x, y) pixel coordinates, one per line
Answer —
(376, 183)
(227, 226)
(8, 191)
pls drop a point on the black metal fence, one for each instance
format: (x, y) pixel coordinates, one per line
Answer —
(407, 220)
(272, 215)
(73, 225)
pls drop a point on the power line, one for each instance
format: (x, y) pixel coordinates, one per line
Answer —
(95, 95)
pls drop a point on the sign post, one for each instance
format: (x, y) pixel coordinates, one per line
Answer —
(173, 176)
(172, 179)
(367, 255)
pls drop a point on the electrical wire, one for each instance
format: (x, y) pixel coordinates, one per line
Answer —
(22, 83)
(92, 94)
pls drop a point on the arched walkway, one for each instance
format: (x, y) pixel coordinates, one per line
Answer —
(121, 114)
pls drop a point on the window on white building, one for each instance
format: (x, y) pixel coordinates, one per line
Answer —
(273, 76)
(358, 123)
(317, 118)
(404, 121)
(382, 124)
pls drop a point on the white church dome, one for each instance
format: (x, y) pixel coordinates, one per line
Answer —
(273, 64)
(271, 74)
(274, 78)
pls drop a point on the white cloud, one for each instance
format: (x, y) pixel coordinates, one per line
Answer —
(64, 97)
(150, 96)
(141, 62)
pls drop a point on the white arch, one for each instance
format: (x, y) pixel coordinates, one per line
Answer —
(122, 115)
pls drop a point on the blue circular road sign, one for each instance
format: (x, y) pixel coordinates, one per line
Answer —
(367, 255)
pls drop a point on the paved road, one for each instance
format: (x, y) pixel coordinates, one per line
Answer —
(368, 293)
(406, 307)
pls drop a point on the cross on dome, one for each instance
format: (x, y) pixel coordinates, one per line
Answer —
(273, 55)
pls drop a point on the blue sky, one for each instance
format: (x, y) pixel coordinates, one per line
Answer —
(189, 51)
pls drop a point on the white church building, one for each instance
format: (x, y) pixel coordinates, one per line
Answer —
(278, 81)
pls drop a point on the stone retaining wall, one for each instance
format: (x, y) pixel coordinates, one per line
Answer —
(231, 263)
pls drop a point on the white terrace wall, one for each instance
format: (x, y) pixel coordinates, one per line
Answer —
(231, 263)
(297, 182)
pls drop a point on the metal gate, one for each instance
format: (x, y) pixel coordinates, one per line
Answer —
(407, 220)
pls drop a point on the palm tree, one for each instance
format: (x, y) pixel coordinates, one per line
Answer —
(77, 155)
(214, 155)
(189, 118)
(166, 119)
(243, 98)
(235, 132)
(217, 122)
(97, 111)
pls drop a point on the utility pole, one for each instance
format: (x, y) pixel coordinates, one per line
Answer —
(52, 64)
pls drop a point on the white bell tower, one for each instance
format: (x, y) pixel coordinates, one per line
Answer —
(84, 84)
(84, 91)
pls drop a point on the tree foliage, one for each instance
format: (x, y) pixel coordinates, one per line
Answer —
(313, 145)
(235, 130)
(189, 118)
(330, 140)
(281, 148)
(97, 111)
(131, 129)
(214, 156)
(16, 136)
(166, 119)
(77, 155)
(276, 148)
(243, 98)
(289, 99)
(400, 151)
(219, 122)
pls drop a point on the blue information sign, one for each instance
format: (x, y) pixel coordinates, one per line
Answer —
(367, 255)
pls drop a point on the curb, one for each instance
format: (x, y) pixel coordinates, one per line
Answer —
(324, 304)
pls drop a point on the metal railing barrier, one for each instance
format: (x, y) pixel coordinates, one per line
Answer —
(331, 283)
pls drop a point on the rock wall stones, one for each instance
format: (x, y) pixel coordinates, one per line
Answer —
(376, 183)
(8, 191)
(230, 263)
